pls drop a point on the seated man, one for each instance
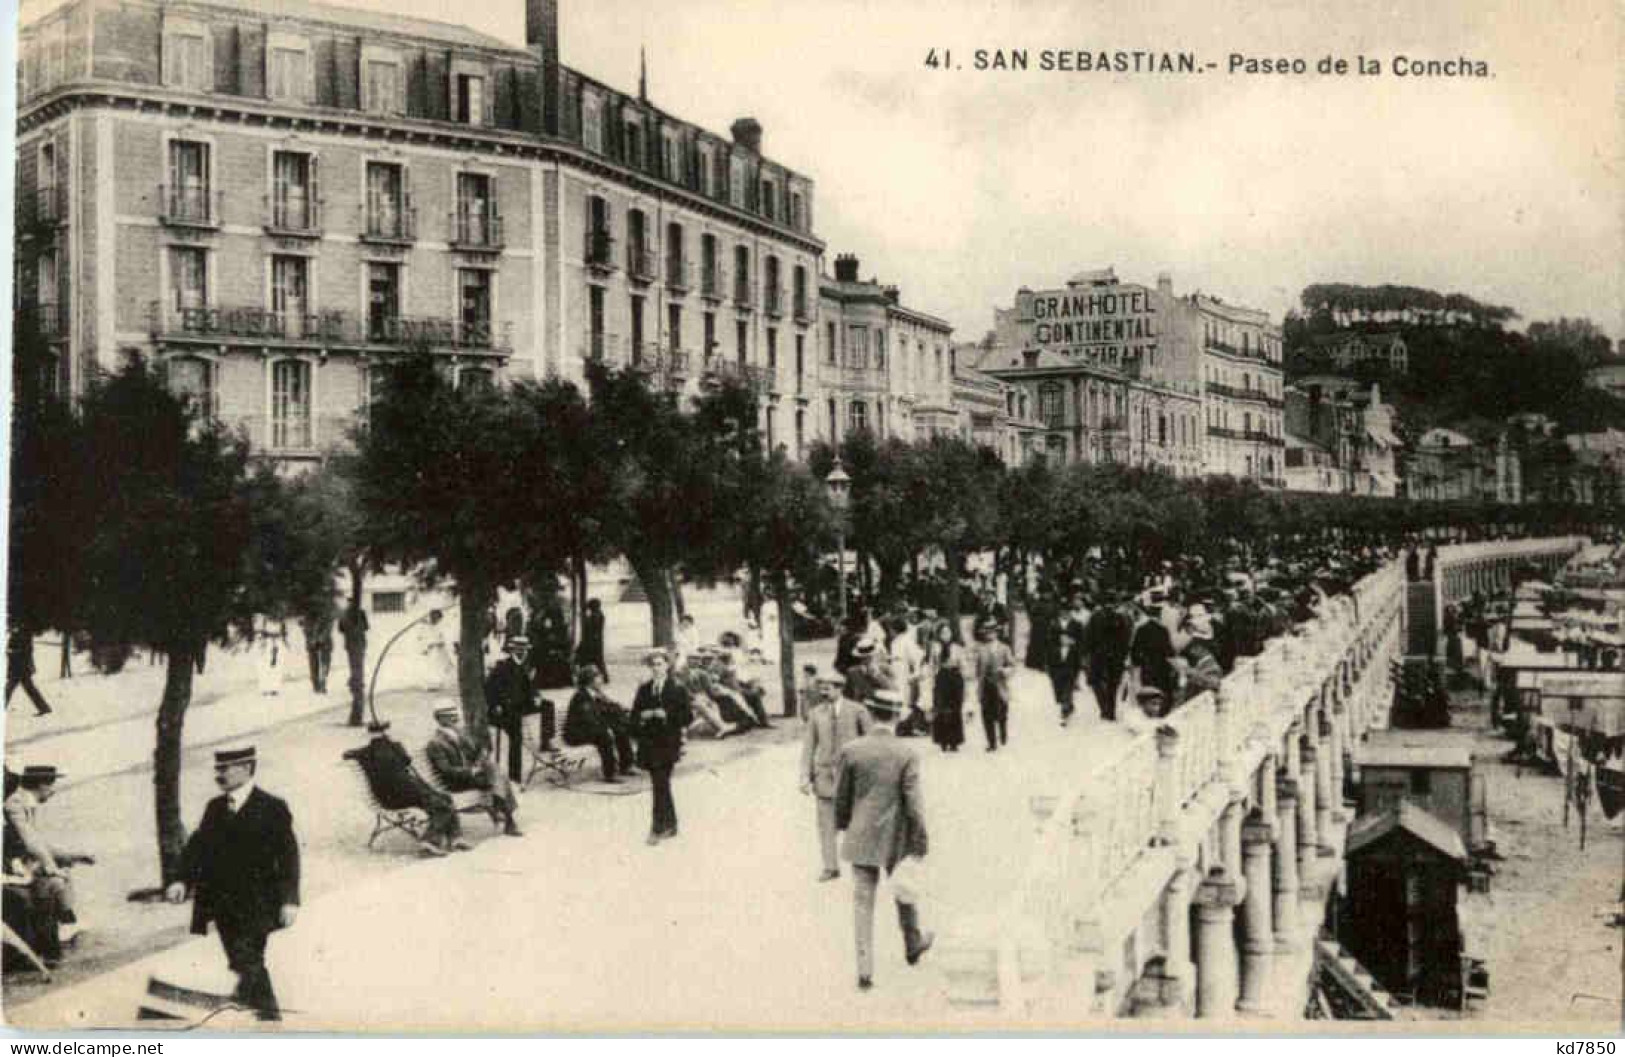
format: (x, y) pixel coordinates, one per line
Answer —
(398, 786)
(461, 765)
(747, 689)
(715, 710)
(29, 855)
(593, 719)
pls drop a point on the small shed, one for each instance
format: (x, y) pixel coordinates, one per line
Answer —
(1405, 873)
(1440, 779)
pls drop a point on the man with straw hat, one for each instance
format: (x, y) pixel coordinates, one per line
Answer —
(831, 723)
(241, 867)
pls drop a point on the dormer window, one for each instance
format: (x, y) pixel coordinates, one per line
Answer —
(471, 99)
(188, 55)
(592, 123)
(382, 84)
(288, 73)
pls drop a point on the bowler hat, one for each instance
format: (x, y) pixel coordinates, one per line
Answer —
(40, 774)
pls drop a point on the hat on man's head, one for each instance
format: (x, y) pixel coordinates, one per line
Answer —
(865, 647)
(233, 757)
(515, 642)
(448, 714)
(40, 774)
(378, 726)
(888, 701)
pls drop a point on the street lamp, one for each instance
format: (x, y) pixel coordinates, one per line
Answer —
(372, 707)
(840, 492)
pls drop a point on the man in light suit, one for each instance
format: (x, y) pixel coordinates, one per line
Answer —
(831, 724)
(879, 807)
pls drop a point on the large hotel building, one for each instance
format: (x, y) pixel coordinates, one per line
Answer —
(273, 206)
(1127, 373)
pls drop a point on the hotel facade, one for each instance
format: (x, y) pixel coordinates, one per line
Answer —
(274, 208)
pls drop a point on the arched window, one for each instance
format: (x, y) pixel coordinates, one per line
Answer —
(1052, 404)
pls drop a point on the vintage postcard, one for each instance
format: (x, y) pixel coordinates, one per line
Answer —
(601, 516)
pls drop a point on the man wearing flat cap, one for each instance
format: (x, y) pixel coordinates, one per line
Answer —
(878, 805)
(831, 723)
(241, 867)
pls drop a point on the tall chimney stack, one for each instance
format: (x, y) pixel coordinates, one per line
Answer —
(846, 268)
(542, 36)
(747, 132)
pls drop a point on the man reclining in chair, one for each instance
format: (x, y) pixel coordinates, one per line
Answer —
(592, 718)
(397, 786)
(33, 858)
(460, 765)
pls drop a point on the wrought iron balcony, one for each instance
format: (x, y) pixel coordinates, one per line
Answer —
(599, 251)
(48, 319)
(1224, 431)
(677, 275)
(742, 293)
(191, 207)
(215, 323)
(712, 283)
(773, 301)
(50, 206)
(640, 264)
(297, 433)
(719, 369)
(600, 347)
(803, 309)
(293, 217)
(388, 221)
(476, 230)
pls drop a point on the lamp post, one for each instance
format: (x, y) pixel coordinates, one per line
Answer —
(840, 491)
(378, 666)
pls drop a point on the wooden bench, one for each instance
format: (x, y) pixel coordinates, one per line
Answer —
(464, 801)
(411, 821)
(560, 764)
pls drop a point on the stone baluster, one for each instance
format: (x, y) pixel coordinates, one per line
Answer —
(1328, 795)
(1258, 930)
(1286, 864)
(1340, 718)
(1216, 900)
(1168, 793)
(1292, 760)
(1308, 835)
(1230, 825)
(1176, 933)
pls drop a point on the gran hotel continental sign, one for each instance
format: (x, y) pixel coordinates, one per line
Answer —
(1102, 326)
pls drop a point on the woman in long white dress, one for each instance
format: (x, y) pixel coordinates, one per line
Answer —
(273, 654)
(440, 668)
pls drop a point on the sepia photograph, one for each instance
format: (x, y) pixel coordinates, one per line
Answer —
(870, 517)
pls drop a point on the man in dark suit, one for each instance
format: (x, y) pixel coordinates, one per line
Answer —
(460, 765)
(879, 807)
(1106, 642)
(241, 866)
(511, 696)
(660, 714)
(397, 784)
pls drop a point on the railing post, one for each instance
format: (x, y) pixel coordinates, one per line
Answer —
(1168, 801)
(1286, 863)
(1258, 932)
(1216, 969)
(1308, 835)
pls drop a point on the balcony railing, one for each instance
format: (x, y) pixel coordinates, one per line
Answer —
(640, 264)
(712, 284)
(49, 205)
(601, 347)
(1262, 437)
(47, 318)
(599, 251)
(1224, 431)
(1251, 353)
(326, 328)
(298, 217)
(195, 207)
(773, 301)
(742, 294)
(387, 221)
(752, 375)
(476, 230)
(297, 433)
(677, 275)
(803, 310)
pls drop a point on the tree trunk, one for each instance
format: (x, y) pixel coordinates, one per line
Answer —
(658, 588)
(676, 592)
(787, 643)
(753, 595)
(473, 600)
(67, 656)
(355, 651)
(950, 604)
(166, 761)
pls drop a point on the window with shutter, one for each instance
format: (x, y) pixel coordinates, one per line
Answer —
(290, 404)
(592, 124)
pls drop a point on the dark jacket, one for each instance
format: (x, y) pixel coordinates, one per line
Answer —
(509, 693)
(1153, 653)
(1107, 639)
(660, 738)
(591, 649)
(393, 780)
(242, 867)
(456, 762)
(590, 719)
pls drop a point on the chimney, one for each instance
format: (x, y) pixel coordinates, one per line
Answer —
(542, 36)
(747, 132)
(892, 295)
(846, 268)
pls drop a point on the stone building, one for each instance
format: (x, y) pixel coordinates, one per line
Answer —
(274, 207)
(1351, 424)
(1121, 372)
(1347, 348)
(1446, 464)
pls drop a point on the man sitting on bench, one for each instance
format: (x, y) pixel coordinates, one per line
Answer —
(460, 765)
(593, 719)
(397, 786)
(30, 855)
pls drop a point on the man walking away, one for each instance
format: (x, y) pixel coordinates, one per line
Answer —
(994, 663)
(20, 669)
(878, 805)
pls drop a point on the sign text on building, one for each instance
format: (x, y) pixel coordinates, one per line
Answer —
(1108, 326)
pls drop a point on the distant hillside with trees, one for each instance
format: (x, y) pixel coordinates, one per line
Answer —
(1466, 369)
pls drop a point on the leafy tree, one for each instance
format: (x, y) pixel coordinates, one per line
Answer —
(165, 564)
(448, 482)
(953, 494)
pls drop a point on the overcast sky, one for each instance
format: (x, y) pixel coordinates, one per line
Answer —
(961, 186)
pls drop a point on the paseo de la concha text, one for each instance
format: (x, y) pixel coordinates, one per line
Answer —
(1081, 60)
